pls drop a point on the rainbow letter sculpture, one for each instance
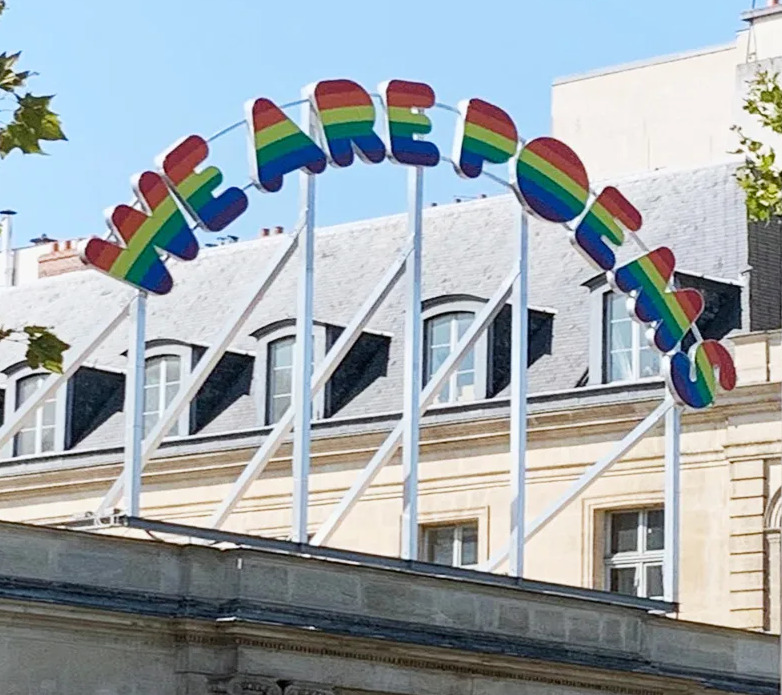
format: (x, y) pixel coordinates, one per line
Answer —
(547, 176)
(194, 188)
(278, 146)
(404, 102)
(162, 227)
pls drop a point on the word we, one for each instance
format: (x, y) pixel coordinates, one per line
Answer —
(548, 177)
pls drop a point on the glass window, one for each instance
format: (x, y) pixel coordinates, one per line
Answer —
(628, 354)
(279, 378)
(451, 544)
(37, 435)
(441, 335)
(162, 377)
(634, 557)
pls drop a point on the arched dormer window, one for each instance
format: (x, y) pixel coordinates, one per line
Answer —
(445, 321)
(44, 431)
(166, 366)
(275, 366)
(38, 435)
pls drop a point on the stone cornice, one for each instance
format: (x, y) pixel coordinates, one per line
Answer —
(292, 628)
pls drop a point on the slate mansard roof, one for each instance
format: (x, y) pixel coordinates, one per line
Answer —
(468, 250)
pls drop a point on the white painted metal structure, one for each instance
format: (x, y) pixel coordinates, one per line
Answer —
(416, 399)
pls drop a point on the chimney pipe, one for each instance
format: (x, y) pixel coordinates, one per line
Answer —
(6, 217)
(278, 230)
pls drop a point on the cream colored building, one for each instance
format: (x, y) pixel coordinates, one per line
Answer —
(671, 111)
(591, 380)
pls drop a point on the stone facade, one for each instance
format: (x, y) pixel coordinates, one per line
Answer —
(89, 615)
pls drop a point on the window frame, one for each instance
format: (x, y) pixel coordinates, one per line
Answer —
(639, 559)
(266, 337)
(17, 374)
(480, 349)
(637, 331)
(186, 356)
(424, 544)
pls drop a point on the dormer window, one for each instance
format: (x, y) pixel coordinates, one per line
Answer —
(162, 377)
(628, 355)
(279, 386)
(38, 435)
(441, 334)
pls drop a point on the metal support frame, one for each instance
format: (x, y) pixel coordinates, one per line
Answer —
(134, 403)
(589, 476)
(518, 402)
(672, 534)
(302, 372)
(411, 412)
(322, 374)
(54, 381)
(387, 449)
(205, 365)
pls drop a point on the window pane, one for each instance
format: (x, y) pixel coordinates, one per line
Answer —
(464, 320)
(25, 442)
(47, 439)
(171, 391)
(438, 355)
(150, 419)
(172, 369)
(649, 362)
(282, 352)
(440, 331)
(655, 522)
(281, 383)
(465, 386)
(620, 366)
(49, 411)
(621, 334)
(654, 581)
(440, 545)
(623, 580)
(624, 532)
(27, 387)
(151, 399)
(468, 362)
(152, 371)
(470, 544)
(278, 407)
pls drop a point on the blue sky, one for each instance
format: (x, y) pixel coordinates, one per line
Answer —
(133, 77)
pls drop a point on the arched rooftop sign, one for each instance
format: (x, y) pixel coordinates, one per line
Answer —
(548, 178)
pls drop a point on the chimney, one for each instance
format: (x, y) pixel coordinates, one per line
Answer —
(266, 231)
(63, 258)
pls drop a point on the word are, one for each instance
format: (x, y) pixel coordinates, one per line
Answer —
(547, 176)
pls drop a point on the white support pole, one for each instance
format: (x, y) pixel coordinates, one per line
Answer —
(589, 476)
(206, 364)
(518, 402)
(322, 374)
(70, 365)
(387, 449)
(134, 403)
(412, 364)
(672, 504)
(302, 363)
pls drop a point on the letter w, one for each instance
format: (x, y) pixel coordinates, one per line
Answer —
(161, 228)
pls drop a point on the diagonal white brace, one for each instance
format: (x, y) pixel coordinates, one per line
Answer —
(54, 381)
(206, 364)
(589, 476)
(387, 449)
(322, 374)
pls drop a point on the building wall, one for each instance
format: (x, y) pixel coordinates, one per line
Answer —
(673, 111)
(89, 615)
(730, 454)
